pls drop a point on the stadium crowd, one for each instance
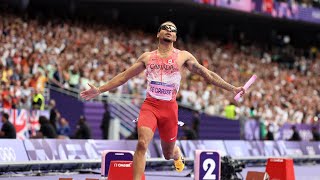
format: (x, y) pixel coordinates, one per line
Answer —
(71, 54)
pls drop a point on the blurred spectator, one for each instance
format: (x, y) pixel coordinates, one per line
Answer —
(315, 134)
(1, 100)
(64, 129)
(269, 135)
(295, 136)
(58, 79)
(74, 80)
(105, 123)
(252, 112)
(188, 133)
(26, 93)
(6, 97)
(83, 131)
(53, 113)
(212, 108)
(46, 129)
(263, 126)
(230, 111)
(7, 130)
(41, 81)
(38, 100)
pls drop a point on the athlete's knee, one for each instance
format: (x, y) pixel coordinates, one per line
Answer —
(142, 145)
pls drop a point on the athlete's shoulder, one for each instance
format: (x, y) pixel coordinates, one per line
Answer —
(185, 53)
(145, 55)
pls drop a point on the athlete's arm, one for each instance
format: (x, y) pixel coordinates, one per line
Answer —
(123, 77)
(193, 65)
(118, 80)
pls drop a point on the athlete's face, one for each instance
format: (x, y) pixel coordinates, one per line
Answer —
(167, 32)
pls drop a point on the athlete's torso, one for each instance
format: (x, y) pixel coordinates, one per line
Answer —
(163, 76)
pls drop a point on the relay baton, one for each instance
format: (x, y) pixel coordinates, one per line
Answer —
(246, 86)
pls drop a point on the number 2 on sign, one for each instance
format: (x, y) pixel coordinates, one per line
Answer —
(209, 169)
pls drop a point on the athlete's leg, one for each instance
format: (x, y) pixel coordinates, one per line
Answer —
(168, 131)
(147, 124)
(170, 150)
(145, 135)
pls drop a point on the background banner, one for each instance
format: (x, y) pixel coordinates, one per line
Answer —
(285, 10)
(309, 14)
(12, 150)
(241, 5)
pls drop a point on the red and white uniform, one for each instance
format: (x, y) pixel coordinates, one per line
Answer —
(160, 108)
(163, 76)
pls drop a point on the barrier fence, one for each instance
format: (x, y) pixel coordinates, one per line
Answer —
(35, 154)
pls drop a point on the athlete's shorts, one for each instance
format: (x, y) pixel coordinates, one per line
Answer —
(162, 114)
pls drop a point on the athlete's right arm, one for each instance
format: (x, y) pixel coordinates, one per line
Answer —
(118, 80)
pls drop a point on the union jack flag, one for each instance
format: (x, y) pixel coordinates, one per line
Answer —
(25, 122)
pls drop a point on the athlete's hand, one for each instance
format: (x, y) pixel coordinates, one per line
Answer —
(90, 93)
(236, 90)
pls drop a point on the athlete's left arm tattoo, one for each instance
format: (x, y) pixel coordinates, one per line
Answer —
(193, 65)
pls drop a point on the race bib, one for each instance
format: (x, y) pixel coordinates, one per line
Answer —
(161, 90)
